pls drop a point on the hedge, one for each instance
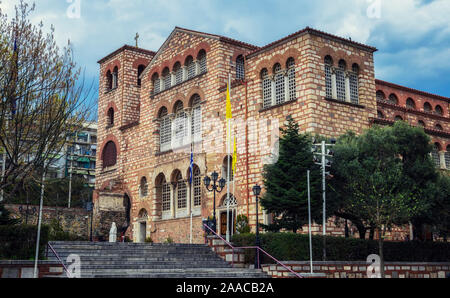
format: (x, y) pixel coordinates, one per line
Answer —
(18, 242)
(295, 247)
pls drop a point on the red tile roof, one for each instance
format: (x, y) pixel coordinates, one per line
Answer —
(126, 47)
(423, 93)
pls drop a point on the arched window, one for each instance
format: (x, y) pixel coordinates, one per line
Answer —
(380, 95)
(178, 73)
(165, 130)
(167, 78)
(328, 72)
(447, 157)
(266, 88)
(143, 187)
(201, 58)
(196, 125)
(340, 80)
(427, 107)
(421, 123)
(398, 118)
(143, 214)
(438, 127)
(393, 99)
(108, 80)
(380, 114)
(110, 117)
(190, 66)
(435, 154)
(225, 167)
(140, 70)
(290, 66)
(181, 192)
(233, 201)
(279, 84)
(109, 154)
(156, 83)
(163, 192)
(438, 110)
(181, 126)
(240, 70)
(115, 77)
(197, 185)
(410, 104)
(354, 88)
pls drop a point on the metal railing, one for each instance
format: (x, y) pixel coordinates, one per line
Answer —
(258, 250)
(59, 259)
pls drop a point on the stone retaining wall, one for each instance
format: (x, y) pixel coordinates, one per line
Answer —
(25, 269)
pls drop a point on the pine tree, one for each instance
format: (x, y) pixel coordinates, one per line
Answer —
(286, 195)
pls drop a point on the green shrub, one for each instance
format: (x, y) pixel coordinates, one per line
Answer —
(169, 240)
(57, 233)
(18, 242)
(149, 240)
(295, 247)
(242, 226)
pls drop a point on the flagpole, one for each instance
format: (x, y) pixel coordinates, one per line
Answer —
(228, 162)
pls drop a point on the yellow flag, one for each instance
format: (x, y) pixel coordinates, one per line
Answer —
(229, 115)
(234, 156)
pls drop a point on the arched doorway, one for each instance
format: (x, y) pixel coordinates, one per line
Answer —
(142, 222)
(127, 206)
(231, 215)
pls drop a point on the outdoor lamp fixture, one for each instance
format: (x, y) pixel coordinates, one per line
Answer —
(256, 192)
(214, 188)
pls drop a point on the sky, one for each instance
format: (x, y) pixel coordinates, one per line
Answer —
(412, 36)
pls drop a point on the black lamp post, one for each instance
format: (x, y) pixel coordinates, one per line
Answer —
(214, 188)
(256, 192)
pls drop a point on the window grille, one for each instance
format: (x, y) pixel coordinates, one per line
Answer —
(178, 73)
(354, 93)
(410, 103)
(267, 88)
(167, 79)
(393, 99)
(233, 201)
(180, 125)
(190, 67)
(435, 156)
(197, 187)
(240, 71)
(279, 84)
(144, 187)
(196, 125)
(202, 61)
(447, 158)
(381, 96)
(340, 81)
(109, 154)
(165, 196)
(181, 193)
(291, 78)
(156, 86)
(165, 134)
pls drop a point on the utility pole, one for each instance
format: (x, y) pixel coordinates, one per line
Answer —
(323, 163)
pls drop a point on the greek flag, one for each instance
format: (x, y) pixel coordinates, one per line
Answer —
(191, 166)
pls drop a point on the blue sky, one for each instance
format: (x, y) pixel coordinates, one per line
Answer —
(413, 36)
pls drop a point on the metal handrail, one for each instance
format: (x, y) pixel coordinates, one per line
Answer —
(59, 259)
(252, 247)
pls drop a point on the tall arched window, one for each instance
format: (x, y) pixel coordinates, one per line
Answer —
(181, 192)
(110, 117)
(143, 187)
(380, 95)
(398, 118)
(163, 193)
(438, 126)
(109, 154)
(109, 80)
(201, 58)
(178, 73)
(115, 77)
(266, 88)
(435, 154)
(140, 70)
(447, 157)
(410, 104)
(290, 66)
(197, 186)
(380, 114)
(328, 71)
(196, 124)
(340, 80)
(427, 107)
(167, 78)
(438, 110)
(181, 119)
(354, 88)
(279, 84)
(421, 123)
(165, 130)
(190, 66)
(393, 99)
(156, 83)
(240, 70)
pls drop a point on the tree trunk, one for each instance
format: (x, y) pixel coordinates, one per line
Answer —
(361, 231)
(372, 232)
(380, 251)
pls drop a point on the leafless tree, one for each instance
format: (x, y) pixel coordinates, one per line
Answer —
(44, 98)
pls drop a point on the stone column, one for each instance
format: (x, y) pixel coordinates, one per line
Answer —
(173, 197)
(347, 87)
(333, 84)
(442, 159)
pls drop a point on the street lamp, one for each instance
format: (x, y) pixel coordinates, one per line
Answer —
(256, 192)
(214, 188)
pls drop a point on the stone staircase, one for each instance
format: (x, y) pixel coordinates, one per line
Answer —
(149, 260)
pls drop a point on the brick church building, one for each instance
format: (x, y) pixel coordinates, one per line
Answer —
(154, 107)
